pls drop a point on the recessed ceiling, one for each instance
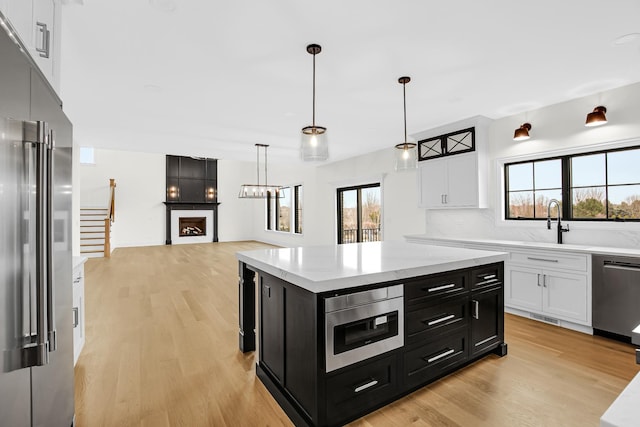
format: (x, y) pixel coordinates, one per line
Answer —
(212, 78)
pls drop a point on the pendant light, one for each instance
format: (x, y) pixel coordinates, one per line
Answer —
(258, 191)
(314, 145)
(405, 153)
(597, 117)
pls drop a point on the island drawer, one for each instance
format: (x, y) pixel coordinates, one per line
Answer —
(356, 389)
(426, 322)
(489, 275)
(428, 361)
(436, 286)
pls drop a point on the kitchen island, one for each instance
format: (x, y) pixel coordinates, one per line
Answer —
(346, 329)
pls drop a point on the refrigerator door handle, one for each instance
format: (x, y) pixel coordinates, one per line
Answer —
(36, 352)
(51, 314)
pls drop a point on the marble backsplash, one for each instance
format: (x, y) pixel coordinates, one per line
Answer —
(482, 224)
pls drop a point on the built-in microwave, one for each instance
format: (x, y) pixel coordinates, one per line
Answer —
(364, 324)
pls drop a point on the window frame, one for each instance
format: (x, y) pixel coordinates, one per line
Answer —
(567, 189)
(272, 210)
(339, 218)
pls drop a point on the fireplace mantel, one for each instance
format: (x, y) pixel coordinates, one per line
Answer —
(213, 206)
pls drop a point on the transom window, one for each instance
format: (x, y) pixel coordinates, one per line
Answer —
(596, 186)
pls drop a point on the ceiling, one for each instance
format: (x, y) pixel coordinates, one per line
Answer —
(213, 78)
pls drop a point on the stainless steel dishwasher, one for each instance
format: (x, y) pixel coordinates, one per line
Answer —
(616, 295)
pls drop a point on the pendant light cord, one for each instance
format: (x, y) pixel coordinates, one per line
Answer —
(404, 97)
(313, 120)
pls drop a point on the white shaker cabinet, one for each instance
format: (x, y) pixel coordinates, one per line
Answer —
(37, 24)
(78, 307)
(453, 167)
(449, 182)
(553, 286)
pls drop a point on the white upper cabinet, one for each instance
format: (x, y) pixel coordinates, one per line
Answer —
(452, 171)
(37, 23)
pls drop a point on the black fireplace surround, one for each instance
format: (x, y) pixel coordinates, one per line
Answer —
(192, 184)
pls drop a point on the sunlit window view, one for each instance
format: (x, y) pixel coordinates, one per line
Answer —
(359, 214)
(600, 186)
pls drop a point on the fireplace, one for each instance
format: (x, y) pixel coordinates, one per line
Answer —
(191, 222)
(192, 226)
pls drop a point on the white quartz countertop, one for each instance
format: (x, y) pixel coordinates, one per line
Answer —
(333, 267)
(624, 411)
(604, 250)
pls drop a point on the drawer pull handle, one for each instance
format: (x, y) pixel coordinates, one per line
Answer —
(440, 356)
(541, 259)
(440, 320)
(439, 288)
(76, 317)
(365, 386)
(489, 276)
(476, 311)
(486, 282)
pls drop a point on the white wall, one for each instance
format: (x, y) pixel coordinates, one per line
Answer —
(556, 129)
(400, 214)
(140, 191)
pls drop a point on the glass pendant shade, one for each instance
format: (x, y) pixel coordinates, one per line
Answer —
(406, 155)
(597, 117)
(313, 144)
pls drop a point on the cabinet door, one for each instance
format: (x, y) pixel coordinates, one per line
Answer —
(565, 295)
(487, 319)
(41, 48)
(272, 335)
(432, 176)
(462, 178)
(523, 287)
(20, 14)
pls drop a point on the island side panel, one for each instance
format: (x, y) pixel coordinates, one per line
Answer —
(246, 308)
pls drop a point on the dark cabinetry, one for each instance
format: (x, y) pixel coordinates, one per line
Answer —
(191, 180)
(450, 319)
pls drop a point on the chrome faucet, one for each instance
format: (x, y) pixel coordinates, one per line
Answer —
(560, 228)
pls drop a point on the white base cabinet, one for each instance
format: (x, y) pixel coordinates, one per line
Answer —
(78, 307)
(548, 292)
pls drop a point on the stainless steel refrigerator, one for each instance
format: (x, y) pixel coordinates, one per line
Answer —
(36, 342)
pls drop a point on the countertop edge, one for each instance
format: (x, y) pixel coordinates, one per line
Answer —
(541, 246)
(336, 284)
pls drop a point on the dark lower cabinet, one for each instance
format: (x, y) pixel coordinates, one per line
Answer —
(487, 323)
(450, 319)
(435, 358)
(355, 390)
(272, 333)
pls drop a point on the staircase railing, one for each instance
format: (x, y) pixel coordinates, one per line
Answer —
(110, 218)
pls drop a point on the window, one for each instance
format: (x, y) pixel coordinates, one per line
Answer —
(596, 186)
(359, 214)
(284, 212)
(87, 156)
(531, 186)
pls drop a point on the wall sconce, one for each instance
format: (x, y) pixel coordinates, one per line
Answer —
(522, 133)
(597, 117)
(173, 192)
(210, 193)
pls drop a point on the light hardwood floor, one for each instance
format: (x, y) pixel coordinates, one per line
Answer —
(162, 350)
